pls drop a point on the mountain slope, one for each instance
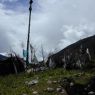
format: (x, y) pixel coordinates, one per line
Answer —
(81, 51)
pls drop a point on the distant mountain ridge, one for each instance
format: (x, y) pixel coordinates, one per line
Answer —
(2, 57)
(75, 52)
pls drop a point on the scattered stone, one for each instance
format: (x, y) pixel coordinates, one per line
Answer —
(71, 84)
(60, 86)
(43, 68)
(66, 82)
(63, 91)
(54, 82)
(91, 93)
(33, 82)
(50, 89)
(24, 94)
(29, 71)
(35, 93)
(59, 89)
(73, 88)
(49, 81)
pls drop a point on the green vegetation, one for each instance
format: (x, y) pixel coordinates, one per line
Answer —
(15, 84)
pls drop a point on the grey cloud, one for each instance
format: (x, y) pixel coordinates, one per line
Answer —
(73, 33)
(12, 30)
(57, 24)
(70, 13)
(9, 0)
(4, 42)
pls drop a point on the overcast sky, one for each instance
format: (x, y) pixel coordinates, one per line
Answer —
(55, 23)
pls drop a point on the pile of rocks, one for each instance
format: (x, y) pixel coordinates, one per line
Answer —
(73, 88)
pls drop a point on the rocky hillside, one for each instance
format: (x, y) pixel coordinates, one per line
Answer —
(76, 55)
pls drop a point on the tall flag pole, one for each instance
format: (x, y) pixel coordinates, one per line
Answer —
(28, 39)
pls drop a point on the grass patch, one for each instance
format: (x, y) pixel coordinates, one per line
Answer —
(15, 84)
